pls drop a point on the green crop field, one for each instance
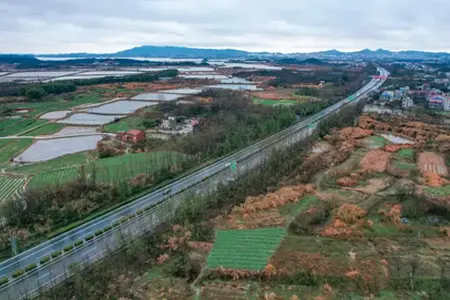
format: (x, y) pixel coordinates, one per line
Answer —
(6, 122)
(405, 154)
(271, 102)
(63, 162)
(244, 249)
(10, 187)
(21, 127)
(58, 103)
(295, 208)
(378, 141)
(46, 129)
(11, 148)
(112, 170)
(133, 122)
(438, 191)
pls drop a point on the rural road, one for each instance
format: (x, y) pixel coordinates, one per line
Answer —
(54, 271)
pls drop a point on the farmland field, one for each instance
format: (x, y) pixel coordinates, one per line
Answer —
(271, 102)
(244, 249)
(112, 170)
(43, 150)
(89, 119)
(22, 127)
(74, 130)
(11, 148)
(8, 122)
(63, 162)
(119, 107)
(133, 122)
(46, 129)
(58, 104)
(156, 97)
(9, 187)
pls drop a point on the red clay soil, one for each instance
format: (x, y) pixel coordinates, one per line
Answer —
(346, 181)
(349, 133)
(376, 160)
(435, 180)
(271, 96)
(430, 162)
(392, 212)
(396, 148)
(347, 222)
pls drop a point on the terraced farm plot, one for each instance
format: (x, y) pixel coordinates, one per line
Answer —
(6, 122)
(12, 148)
(272, 102)
(46, 129)
(10, 187)
(63, 162)
(244, 249)
(58, 104)
(22, 127)
(43, 150)
(133, 122)
(112, 170)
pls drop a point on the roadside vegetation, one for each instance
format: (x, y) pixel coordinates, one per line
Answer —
(341, 223)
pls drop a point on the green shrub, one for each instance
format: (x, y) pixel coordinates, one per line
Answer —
(18, 273)
(116, 224)
(99, 232)
(89, 237)
(78, 243)
(56, 254)
(107, 228)
(147, 208)
(140, 212)
(4, 280)
(131, 217)
(123, 220)
(68, 248)
(30, 267)
(45, 260)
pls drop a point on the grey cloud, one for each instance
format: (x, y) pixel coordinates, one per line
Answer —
(49, 26)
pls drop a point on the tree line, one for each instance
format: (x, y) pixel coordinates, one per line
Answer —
(38, 91)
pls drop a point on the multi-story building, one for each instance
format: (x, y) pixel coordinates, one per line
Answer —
(436, 101)
(407, 103)
(447, 103)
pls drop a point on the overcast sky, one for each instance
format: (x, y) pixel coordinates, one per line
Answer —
(103, 26)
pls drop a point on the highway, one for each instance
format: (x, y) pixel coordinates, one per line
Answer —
(51, 272)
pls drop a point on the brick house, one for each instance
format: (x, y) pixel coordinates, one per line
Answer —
(133, 136)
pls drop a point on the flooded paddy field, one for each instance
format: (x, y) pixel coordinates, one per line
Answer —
(54, 115)
(183, 91)
(89, 119)
(74, 130)
(159, 97)
(44, 150)
(122, 107)
(234, 87)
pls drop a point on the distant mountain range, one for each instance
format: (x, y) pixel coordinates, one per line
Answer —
(185, 52)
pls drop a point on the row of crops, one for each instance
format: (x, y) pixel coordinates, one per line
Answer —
(10, 187)
(244, 249)
(113, 169)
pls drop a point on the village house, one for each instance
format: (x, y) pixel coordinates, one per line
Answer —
(133, 136)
